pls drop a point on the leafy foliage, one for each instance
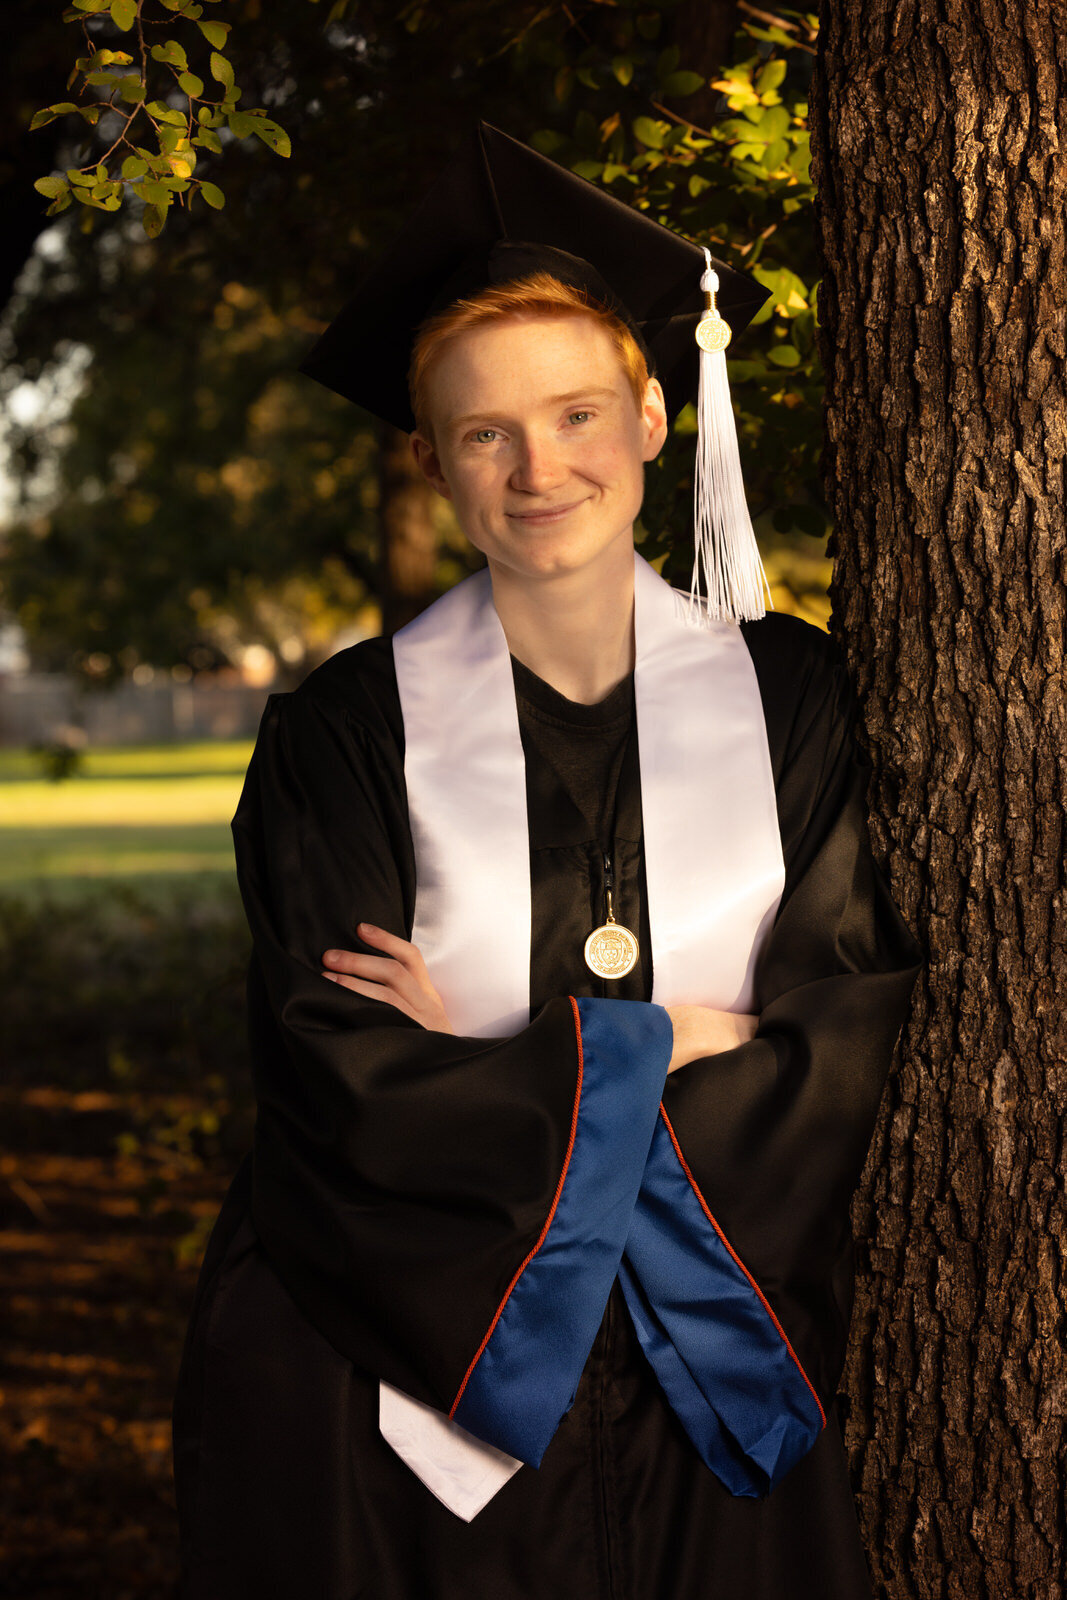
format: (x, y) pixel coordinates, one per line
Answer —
(742, 186)
(156, 176)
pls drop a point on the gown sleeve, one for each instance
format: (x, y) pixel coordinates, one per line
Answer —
(448, 1212)
(737, 1270)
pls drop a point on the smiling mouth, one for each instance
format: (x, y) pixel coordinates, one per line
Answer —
(550, 514)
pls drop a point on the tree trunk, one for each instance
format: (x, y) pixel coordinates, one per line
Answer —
(939, 137)
(408, 547)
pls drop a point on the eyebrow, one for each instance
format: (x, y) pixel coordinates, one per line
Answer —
(553, 400)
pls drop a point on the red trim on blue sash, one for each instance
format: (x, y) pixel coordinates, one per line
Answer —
(548, 1220)
(763, 1298)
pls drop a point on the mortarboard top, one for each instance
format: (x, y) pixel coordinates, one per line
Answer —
(497, 212)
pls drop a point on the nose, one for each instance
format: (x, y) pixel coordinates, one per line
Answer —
(539, 466)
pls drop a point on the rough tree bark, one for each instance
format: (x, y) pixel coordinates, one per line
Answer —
(939, 133)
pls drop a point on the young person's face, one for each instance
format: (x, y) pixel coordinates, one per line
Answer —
(539, 442)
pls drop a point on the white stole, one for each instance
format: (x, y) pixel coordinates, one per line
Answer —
(713, 859)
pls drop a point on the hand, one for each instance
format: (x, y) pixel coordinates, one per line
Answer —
(702, 1031)
(402, 979)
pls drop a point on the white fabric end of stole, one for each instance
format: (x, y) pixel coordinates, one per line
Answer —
(713, 855)
(462, 1471)
(466, 784)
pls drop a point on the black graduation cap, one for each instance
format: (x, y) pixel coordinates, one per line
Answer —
(498, 211)
(501, 210)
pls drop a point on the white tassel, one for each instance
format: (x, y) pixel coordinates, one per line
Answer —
(725, 540)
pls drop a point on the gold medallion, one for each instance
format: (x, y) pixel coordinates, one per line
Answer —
(611, 950)
(713, 332)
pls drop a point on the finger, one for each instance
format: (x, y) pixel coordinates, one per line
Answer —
(373, 991)
(380, 969)
(401, 950)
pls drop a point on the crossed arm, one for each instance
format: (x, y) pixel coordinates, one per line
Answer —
(399, 977)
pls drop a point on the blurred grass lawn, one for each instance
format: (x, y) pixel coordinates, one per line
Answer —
(157, 815)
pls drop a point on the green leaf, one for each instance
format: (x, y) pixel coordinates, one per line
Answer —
(170, 52)
(800, 160)
(50, 113)
(680, 84)
(80, 178)
(92, 114)
(91, 6)
(123, 14)
(221, 69)
(110, 203)
(649, 24)
(613, 170)
(99, 79)
(193, 86)
(213, 195)
(772, 35)
(587, 76)
(153, 220)
(156, 193)
(164, 113)
(776, 154)
(548, 140)
(771, 76)
(134, 167)
(272, 135)
(60, 203)
(52, 186)
(211, 141)
(668, 62)
(242, 126)
(132, 88)
(623, 68)
(588, 169)
(697, 184)
(741, 371)
(215, 33)
(784, 355)
(774, 124)
(650, 132)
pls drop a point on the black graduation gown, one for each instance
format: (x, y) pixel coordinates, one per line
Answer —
(400, 1178)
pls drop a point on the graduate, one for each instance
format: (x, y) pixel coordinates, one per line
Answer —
(573, 992)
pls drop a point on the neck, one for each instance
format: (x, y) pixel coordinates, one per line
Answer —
(575, 629)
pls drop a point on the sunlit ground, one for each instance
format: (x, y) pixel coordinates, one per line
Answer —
(158, 815)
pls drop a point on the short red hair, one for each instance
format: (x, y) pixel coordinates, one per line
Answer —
(537, 295)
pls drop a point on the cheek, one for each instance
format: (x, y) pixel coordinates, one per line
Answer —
(612, 463)
(474, 483)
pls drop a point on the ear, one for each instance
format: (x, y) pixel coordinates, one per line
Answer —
(653, 420)
(428, 463)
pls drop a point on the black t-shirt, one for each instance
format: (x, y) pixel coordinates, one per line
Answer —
(584, 744)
